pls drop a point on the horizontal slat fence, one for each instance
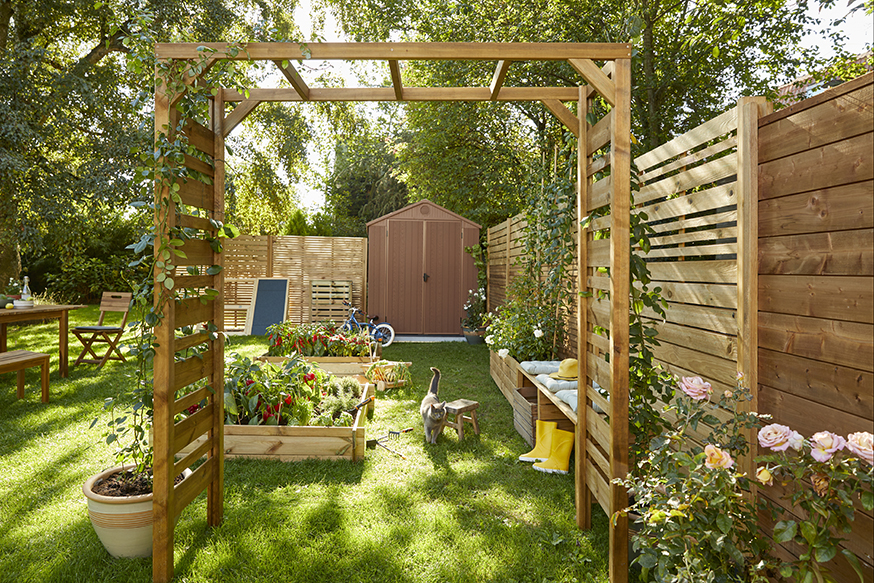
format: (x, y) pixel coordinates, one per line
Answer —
(302, 260)
(816, 274)
(791, 268)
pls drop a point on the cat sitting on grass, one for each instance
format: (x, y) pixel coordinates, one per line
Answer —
(433, 410)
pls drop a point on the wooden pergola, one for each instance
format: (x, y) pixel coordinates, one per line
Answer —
(602, 180)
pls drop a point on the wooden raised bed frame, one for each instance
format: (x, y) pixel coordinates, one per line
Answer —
(289, 443)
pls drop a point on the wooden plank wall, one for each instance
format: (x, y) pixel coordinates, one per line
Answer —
(302, 260)
(505, 243)
(816, 273)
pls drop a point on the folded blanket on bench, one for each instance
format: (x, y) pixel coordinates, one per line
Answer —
(540, 366)
(554, 385)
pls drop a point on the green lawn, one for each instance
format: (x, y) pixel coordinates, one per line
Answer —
(457, 511)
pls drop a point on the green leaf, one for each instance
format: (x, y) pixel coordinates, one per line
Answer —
(723, 521)
(868, 500)
(825, 554)
(854, 562)
(808, 531)
(784, 531)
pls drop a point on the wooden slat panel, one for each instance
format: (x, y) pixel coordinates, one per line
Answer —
(689, 160)
(197, 194)
(835, 298)
(200, 137)
(694, 236)
(705, 200)
(847, 389)
(599, 193)
(719, 125)
(597, 455)
(598, 485)
(197, 252)
(198, 165)
(840, 208)
(843, 162)
(700, 175)
(192, 222)
(598, 370)
(192, 369)
(695, 250)
(598, 135)
(192, 427)
(845, 343)
(599, 430)
(705, 294)
(189, 458)
(598, 399)
(717, 271)
(196, 483)
(835, 253)
(192, 311)
(719, 345)
(714, 319)
(837, 119)
(711, 367)
(599, 253)
(807, 417)
(728, 217)
(186, 342)
(190, 399)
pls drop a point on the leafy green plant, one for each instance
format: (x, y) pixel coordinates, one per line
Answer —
(268, 394)
(317, 339)
(522, 328)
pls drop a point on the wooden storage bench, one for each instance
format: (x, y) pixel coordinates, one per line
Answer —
(549, 407)
(18, 361)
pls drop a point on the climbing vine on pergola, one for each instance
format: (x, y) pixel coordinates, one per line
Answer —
(189, 282)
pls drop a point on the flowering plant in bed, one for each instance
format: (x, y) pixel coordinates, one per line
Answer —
(697, 517)
(523, 330)
(317, 339)
(296, 392)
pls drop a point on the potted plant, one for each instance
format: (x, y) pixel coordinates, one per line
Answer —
(472, 325)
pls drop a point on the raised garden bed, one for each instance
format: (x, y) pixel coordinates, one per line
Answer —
(294, 443)
(524, 404)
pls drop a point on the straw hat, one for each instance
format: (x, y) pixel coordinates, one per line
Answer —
(568, 370)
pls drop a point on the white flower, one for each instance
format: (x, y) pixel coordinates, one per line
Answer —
(796, 440)
(538, 333)
(503, 353)
(490, 338)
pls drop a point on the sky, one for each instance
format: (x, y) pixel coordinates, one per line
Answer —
(859, 30)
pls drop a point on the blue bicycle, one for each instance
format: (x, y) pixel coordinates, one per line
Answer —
(382, 333)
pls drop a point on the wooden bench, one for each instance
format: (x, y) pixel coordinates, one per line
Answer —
(549, 407)
(18, 361)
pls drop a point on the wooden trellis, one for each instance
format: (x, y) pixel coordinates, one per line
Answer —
(173, 375)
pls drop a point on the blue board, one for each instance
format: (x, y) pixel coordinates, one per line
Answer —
(269, 303)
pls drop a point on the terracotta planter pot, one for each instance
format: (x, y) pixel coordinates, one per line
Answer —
(123, 523)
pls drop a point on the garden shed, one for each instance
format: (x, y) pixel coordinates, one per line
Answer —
(419, 274)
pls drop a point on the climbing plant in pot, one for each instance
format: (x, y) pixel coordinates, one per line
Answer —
(120, 498)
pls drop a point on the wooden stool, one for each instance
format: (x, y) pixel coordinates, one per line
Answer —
(458, 408)
(19, 360)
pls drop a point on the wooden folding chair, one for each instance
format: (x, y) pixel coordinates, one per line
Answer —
(100, 334)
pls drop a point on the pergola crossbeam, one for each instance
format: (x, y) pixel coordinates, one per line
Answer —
(564, 115)
(409, 94)
(294, 51)
(295, 79)
(498, 78)
(234, 118)
(596, 78)
(396, 81)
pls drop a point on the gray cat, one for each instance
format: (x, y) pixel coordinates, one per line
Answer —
(433, 410)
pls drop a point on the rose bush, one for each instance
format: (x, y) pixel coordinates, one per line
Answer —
(698, 519)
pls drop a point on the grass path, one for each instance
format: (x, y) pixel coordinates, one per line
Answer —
(456, 511)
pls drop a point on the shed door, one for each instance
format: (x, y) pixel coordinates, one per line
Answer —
(403, 307)
(443, 255)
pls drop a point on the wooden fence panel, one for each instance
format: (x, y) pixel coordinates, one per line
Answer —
(816, 269)
(300, 259)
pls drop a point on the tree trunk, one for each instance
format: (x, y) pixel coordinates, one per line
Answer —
(652, 120)
(10, 258)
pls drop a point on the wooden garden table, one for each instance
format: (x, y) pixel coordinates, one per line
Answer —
(41, 312)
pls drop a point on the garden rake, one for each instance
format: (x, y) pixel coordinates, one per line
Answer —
(390, 435)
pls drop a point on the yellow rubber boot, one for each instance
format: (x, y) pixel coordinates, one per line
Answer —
(560, 453)
(542, 442)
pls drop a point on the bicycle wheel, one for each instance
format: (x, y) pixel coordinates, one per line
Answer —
(384, 334)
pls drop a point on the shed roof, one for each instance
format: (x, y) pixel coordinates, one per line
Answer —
(423, 210)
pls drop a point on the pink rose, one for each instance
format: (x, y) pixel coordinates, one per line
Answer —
(824, 444)
(862, 444)
(716, 458)
(696, 388)
(775, 437)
